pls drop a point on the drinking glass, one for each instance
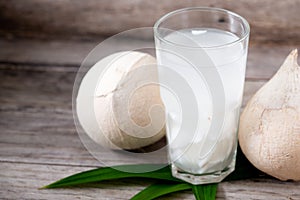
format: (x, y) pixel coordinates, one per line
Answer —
(207, 48)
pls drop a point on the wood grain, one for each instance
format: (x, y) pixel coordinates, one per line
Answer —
(263, 59)
(39, 102)
(269, 20)
(38, 139)
(22, 180)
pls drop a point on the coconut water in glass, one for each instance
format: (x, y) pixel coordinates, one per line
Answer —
(207, 47)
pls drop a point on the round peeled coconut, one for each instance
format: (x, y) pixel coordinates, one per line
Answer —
(114, 109)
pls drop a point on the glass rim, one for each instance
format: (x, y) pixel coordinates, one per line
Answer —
(220, 10)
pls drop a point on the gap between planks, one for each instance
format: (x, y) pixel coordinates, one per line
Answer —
(263, 59)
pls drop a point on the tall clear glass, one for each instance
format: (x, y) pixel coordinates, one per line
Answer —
(207, 48)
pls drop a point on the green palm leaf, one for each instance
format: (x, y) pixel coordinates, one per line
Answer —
(205, 192)
(159, 189)
(108, 173)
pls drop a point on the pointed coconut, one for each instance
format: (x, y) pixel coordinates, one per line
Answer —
(269, 131)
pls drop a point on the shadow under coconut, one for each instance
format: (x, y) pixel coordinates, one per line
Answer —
(150, 148)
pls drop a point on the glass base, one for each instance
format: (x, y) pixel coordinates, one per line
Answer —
(196, 179)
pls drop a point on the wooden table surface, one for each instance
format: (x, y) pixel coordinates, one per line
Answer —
(39, 143)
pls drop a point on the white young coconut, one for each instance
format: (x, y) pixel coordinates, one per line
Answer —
(269, 131)
(122, 114)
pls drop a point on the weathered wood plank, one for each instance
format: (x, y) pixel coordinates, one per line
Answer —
(36, 119)
(39, 143)
(26, 87)
(263, 59)
(275, 21)
(59, 52)
(21, 181)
